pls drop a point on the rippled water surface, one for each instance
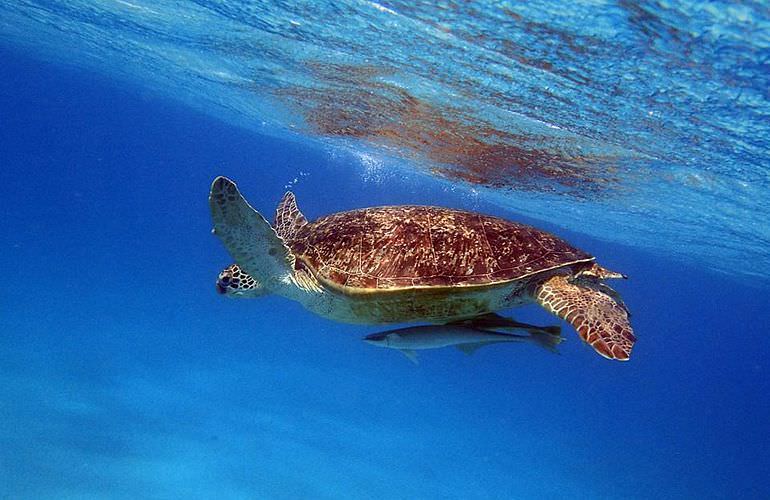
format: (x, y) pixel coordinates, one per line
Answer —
(648, 119)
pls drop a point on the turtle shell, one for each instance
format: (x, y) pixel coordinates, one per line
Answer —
(401, 247)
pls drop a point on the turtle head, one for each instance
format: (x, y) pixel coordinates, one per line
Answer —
(234, 282)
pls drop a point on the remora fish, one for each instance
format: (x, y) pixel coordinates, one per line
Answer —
(465, 338)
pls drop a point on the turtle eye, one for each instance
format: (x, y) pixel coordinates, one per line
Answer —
(225, 280)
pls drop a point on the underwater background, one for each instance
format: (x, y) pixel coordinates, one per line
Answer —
(638, 131)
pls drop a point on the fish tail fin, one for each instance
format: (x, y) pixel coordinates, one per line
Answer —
(549, 338)
(552, 330)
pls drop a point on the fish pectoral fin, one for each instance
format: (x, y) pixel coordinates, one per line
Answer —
(471, 348)
(411, 355)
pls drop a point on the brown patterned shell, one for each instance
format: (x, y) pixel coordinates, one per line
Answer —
(414, 246)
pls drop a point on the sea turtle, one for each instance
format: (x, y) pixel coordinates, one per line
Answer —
(414, 263)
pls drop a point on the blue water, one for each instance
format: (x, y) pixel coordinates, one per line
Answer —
(124, 375)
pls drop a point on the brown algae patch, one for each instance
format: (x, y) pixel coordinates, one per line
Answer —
(357, 102)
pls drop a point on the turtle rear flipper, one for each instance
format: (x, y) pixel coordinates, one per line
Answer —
(600, 320)
(248, 237)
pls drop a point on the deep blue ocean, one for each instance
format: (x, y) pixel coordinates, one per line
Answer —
(641, 135)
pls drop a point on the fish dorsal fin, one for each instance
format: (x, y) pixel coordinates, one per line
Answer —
(411, 355)
(288, 219)
(493, 320)
(471, 348)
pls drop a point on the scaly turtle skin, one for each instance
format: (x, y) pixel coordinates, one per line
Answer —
(414, 263)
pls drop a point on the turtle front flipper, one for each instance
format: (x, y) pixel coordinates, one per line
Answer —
(288, 219)
(248, 237)
(600, 320)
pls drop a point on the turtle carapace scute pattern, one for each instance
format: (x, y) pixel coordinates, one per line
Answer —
(418, 246)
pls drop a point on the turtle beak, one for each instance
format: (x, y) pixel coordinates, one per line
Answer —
(221, 289)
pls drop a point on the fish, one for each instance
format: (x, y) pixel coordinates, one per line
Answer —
(463, 337)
